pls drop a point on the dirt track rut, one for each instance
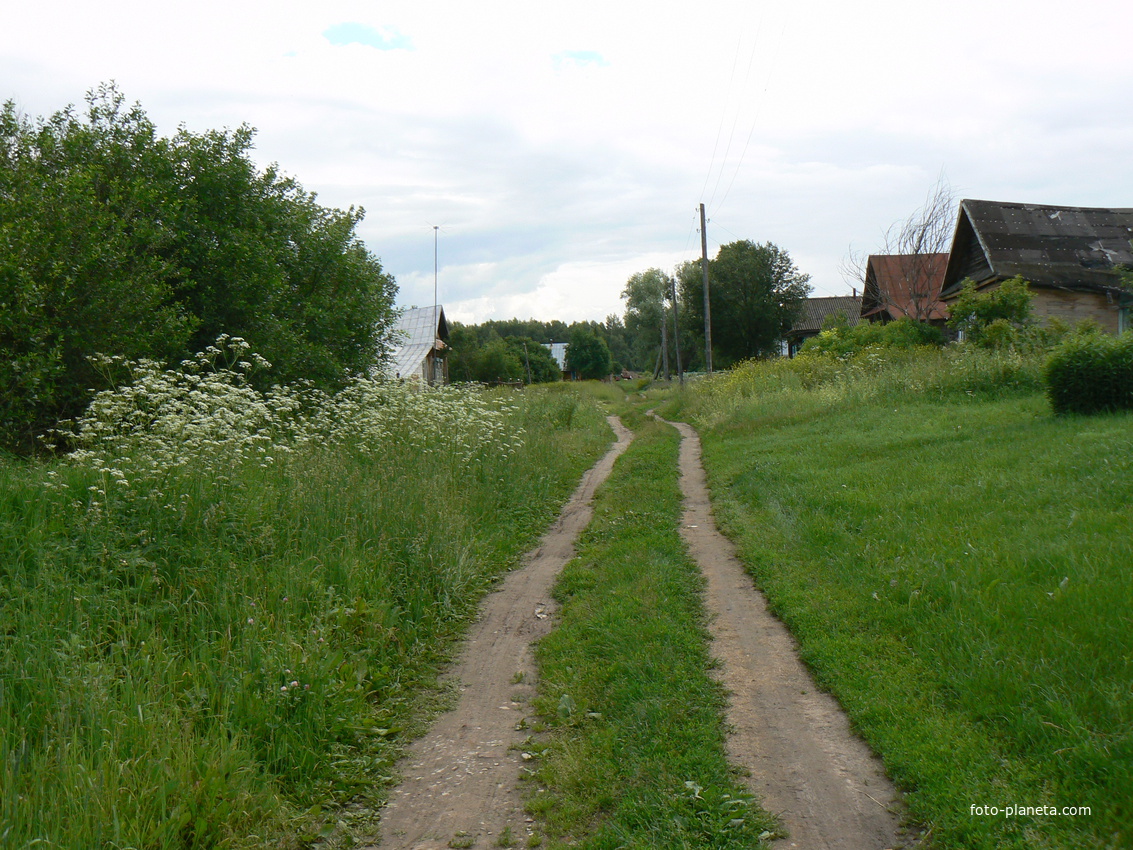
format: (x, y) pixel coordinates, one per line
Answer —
(806, 764)
(460, 779)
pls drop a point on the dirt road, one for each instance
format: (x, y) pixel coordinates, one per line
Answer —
(460, 779)
(806, 765)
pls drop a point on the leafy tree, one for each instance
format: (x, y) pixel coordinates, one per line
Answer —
(756, 295)
(114, 240)
(992, 318)
(498, 361)
(618, 339)
(588, 354)
(645, 294)
(501, 359)
(538, 364)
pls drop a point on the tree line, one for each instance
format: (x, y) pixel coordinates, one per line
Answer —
(757, 293)
(115, 240)
(514, 350)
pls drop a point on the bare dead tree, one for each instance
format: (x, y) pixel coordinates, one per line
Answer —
(915, 247)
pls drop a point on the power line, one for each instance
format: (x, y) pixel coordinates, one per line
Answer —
(755, 117)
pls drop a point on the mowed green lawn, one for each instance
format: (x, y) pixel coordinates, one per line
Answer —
(960, 574)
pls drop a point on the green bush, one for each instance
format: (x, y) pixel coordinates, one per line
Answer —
(992, 318)
(840, 340)
(1091, 372)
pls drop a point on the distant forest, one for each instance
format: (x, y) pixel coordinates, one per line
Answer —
(494, 350)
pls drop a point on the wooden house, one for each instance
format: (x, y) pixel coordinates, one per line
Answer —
(904, 285)
(814, 313)
(1070, 256)
(421, 335)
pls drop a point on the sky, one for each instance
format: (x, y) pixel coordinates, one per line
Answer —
(527, 158)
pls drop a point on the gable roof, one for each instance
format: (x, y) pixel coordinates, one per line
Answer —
(904, 285)
(816, 310)
(1049, 246)
(417, 332)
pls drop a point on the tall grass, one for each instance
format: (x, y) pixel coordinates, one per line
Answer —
(218, 615)
(807, 384)
(954, 561)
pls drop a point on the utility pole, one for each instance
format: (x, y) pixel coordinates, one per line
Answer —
(677, 330)
(707, 304)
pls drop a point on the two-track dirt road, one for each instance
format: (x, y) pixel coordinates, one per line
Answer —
(806, 765)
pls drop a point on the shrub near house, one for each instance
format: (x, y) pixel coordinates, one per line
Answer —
(1091, 372)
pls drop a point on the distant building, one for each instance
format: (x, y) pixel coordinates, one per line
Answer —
(1071, 257)
(815, 311)
(558, 351)
(422, 336)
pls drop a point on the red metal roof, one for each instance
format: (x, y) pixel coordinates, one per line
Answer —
(905, 285)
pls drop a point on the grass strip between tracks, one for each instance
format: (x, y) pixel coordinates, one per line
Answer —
(633, 750)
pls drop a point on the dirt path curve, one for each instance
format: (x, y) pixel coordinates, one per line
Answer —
(460, 779)
(806, 764)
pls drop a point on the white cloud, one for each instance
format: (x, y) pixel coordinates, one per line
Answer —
(559, 148)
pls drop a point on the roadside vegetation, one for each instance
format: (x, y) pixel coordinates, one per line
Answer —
(954, 559)
(117, 241)
(220, 616)
(632, 748)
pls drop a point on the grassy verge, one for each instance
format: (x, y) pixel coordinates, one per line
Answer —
(955, 567)
(229, 653)
(634, 753)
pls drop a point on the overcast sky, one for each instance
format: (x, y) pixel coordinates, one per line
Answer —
(562, 147)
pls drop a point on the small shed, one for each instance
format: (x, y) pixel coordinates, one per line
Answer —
(814, 313)
(904, 285)
(421, 335)
(1071, 256)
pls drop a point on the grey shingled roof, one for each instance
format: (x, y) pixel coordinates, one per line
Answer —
(417, 331)
(815, 311)
(1050, 246)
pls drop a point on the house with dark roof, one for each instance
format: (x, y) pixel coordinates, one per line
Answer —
(1070, 256)
(421, 335)
(814, 313)
(904, 285)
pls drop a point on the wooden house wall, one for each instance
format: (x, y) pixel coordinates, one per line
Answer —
(1069, 306)
(1074, 307)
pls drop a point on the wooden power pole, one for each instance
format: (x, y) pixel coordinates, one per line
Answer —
(707, 303)
(677, 330)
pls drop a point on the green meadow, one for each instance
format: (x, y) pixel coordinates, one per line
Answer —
(223, 615)
(954, 560)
